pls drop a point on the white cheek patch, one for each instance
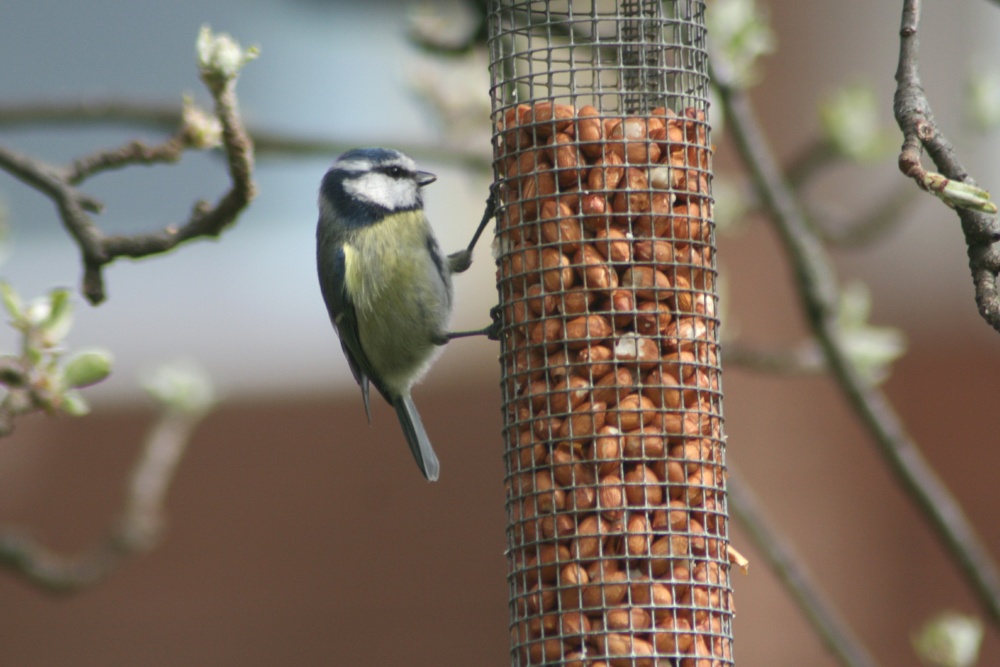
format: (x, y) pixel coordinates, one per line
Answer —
(391, 193)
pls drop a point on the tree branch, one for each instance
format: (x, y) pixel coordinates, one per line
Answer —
(920, 131)
(138, 529)
(819, 294)
(882, 218)
(166, 117)
(98, 249)
(885, 215)
(803, 359)
(812, 158)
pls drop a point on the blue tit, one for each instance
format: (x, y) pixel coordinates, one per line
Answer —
(386, 286)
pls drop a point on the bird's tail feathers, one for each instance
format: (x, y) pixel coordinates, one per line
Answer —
(416, 437)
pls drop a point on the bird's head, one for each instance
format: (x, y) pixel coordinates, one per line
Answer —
(366, 184)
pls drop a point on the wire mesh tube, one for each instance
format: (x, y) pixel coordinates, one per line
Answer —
(617, 522)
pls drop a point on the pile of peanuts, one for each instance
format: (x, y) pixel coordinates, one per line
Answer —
(617, 528)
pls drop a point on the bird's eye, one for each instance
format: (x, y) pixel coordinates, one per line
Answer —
(395, 172)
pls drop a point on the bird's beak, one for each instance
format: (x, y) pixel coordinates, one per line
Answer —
(425, 178)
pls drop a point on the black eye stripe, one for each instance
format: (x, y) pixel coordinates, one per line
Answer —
(394, 171)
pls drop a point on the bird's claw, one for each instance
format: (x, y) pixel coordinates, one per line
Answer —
(460, 261)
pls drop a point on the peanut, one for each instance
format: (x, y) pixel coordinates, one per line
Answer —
(596, 359)
(642, 488)
(673, 636)
(643, 443)
(544, 565)
(632, 197)
(621, 302)
(637, 539)
(649, 283)
(547, 333)
(607, 450)
(594, 208)
(608, 589)
(589, 132)
(566, 158)
(580, 332)
(577, 301)
(624, 650)
(613, 386)
(632, 412)
(611, 497)
(571, 580)
(567, 468)
(568, 394)
(651, 319)
(538, 301)
(540, 599)
(627, 618)
(542, 115)
(545, 651)
(613, 245)
(584, 423)
(557, 274)
(635, 349)
(594, 269)
(606, 174)
(556, 526)
(663, 389)
(589, 535)
(560, 227)
(628, 140)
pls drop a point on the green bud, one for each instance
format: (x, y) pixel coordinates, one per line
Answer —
(74, 404)
(202, 129)
(984, 97)
(851, 125)
(740, 33)
(959, 194)
(87, 367)
(220, 57)
(182, 387)
(872, 349)
(11, 301)
(949, 639)
(59, 319)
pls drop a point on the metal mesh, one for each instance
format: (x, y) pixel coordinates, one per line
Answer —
(617, 523)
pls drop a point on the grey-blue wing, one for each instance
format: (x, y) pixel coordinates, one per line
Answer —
(345, 320)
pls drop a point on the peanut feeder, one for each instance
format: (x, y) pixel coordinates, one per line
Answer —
(615, 469)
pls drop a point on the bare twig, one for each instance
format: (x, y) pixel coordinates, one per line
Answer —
(920, 131)
(138, 529)
(166, 117)
(819, 293)
(803, 359)
(790, 568)
(881, 219)
(812, 158)
(861, 231)
(132, 153)
(98, 249)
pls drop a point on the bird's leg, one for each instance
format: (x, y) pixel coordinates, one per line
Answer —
(492, 331)
(462, 260)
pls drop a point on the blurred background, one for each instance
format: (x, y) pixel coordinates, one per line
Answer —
(299, 534)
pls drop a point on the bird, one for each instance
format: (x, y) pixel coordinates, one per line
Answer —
(386, 285)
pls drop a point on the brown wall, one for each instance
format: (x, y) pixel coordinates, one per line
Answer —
(300, 535)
